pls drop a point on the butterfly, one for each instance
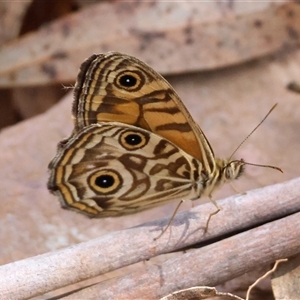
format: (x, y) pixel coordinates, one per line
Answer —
(134, 145)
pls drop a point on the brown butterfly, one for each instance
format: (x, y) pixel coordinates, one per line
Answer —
(134, 145)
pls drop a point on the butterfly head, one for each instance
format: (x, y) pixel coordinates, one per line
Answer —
(230, 170)
(225, 171)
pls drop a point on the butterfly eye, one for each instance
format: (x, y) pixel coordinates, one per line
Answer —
(105, 181)
(129, 80)
(132, 140)
(228, 172)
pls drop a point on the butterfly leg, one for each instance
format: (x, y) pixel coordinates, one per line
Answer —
(213, 213)
(233, 187)
(171, 219)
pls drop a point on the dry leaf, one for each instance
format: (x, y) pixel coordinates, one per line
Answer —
(29, 102)
(200, 292)
(172, 37)
(286, 279)
(11, 14)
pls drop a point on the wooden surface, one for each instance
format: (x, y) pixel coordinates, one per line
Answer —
(230, 248)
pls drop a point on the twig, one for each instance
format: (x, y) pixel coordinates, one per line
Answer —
(210, 265)
(264, 276)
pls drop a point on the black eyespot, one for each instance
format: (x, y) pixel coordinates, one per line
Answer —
(133, 139)
(105, 181)
(130, 80)
(127, 80)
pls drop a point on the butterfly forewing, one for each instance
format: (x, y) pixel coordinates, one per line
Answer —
(116, 87)
(116, 169)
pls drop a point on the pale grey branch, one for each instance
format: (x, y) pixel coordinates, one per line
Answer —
(277, 207)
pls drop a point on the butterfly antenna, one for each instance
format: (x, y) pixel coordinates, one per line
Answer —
(256, 165)
(246, 138)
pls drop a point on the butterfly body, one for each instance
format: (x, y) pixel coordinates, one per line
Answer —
(134, 145)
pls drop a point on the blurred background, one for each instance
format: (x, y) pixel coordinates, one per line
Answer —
(229, 61)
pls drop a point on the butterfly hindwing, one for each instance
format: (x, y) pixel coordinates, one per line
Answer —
(110, 169)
